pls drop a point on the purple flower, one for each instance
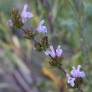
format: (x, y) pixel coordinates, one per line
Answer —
(59, 51)
(53, 53)
(41, 27)
(70, 80)
(77, 72)
(50, 52)
(25, 15)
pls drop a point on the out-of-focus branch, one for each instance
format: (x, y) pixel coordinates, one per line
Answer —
(83, 22)
(20, 81)
(60, 82)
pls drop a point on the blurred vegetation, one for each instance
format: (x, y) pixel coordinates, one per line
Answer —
(69, 24)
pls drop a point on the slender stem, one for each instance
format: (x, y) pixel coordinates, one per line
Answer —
(60, 68)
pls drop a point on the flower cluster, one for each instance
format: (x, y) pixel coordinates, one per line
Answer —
(18, 19)
(76, 77)
(54, 53)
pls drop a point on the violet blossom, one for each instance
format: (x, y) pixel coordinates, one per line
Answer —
(41, 27)
(70, 80)
(25, 15)
(53, 53)
(77, 72)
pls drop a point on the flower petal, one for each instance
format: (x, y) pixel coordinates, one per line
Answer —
(41, 27)
(59, 51)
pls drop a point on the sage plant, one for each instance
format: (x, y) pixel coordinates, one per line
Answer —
(56, 55)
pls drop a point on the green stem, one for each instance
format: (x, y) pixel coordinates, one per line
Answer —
(60, 68)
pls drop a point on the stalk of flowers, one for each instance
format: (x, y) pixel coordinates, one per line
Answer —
(75, 79)
(31, 34)
(56, 55)
(18, 19)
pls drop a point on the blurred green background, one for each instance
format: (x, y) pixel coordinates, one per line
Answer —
(22, 69)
